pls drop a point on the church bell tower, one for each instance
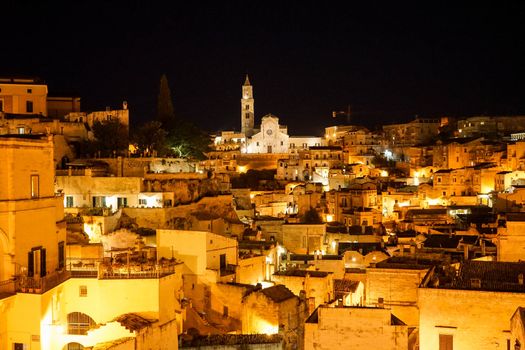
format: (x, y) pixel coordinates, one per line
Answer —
(247, 108)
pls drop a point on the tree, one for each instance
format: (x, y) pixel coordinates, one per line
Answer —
(311, 216)
(165, 111)
(151, 137)
(111, 137)
(187, 141)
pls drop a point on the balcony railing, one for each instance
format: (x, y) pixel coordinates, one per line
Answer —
(24, 284)
(103, 269)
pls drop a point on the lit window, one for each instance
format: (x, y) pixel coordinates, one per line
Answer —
(35, 186)
(142, 201)
(82, 291)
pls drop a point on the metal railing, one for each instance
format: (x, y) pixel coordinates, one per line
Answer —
(40, 285)
(104, 269)
(114, 271)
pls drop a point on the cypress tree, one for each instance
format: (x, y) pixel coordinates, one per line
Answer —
(165, 112)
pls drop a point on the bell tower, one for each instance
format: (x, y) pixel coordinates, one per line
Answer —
(247, 108)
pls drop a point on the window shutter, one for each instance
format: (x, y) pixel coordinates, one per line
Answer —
(30, 265)
(43, 268)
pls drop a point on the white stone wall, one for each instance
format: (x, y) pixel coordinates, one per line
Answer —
(476, 319)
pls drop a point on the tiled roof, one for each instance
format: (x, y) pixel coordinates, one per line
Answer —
(491, 276)
(410, 263)
(302, 273)
(343, 285)
(442, 241)
(278, 293)
(136, 321)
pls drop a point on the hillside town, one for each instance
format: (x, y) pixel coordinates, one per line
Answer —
(406, 236)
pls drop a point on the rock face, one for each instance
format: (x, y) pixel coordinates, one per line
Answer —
(186, 189)
(183, 216)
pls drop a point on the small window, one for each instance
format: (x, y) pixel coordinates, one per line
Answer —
(247, 107)
(21, 130)
(29, 91)
(142, 201)
(1, 105)
(82, 291)
(225, 311)
(19, 346)
(247, 115)
(69, 201)
(29, 106)
(282, 143)
(35, 186)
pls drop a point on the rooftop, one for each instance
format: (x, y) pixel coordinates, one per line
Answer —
(344, 285)
(407, 263)
(302, 273)
(278, 293)
(495, 276)
(22, 80)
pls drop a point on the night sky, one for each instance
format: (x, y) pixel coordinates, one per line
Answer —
(304, 59)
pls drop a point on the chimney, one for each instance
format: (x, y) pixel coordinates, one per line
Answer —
(465, 251)
(381, 303)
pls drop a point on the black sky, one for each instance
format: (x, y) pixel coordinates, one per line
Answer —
(304, 59)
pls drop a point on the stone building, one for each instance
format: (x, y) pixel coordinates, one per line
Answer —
(393, 283)
(517, 328)
(302, 238)
(27, 197)
(357, 195)
(46, 302)
(275, 310)
(469, 307)
(355, 328)
(23, 95)
(417, 131)
(463, 152)
(510, 239)
(317, 285)
(491, 125)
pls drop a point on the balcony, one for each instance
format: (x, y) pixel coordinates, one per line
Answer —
(108, 269)
(39, 285)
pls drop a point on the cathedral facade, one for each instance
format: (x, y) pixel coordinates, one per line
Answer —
(270, 137)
